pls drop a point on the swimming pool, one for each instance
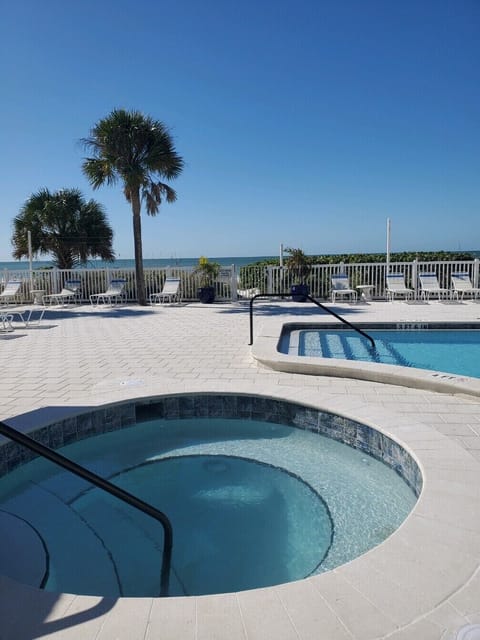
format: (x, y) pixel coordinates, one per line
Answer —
(310, 501)
(455, 351)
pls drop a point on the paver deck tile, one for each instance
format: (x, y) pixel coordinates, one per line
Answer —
(83, 358)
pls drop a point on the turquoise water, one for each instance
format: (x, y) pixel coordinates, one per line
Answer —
(239, 261)
(450, 351)
(252, 504)
(225, 261)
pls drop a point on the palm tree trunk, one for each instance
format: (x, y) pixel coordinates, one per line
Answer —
(137, 241)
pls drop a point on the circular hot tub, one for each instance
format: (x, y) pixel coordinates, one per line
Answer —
(259, 492)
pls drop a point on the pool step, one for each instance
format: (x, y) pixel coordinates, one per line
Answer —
(134, 540)
(23, 556)
(347, 347)
(74, 550)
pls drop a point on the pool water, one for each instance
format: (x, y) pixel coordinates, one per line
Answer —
(251, 503)
(456, 352)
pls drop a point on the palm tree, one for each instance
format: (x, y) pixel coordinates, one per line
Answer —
(137, 150)
(65, 226)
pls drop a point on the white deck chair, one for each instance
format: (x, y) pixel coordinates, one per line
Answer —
(114, 294)
(10, 292)
(341, 287)
(396, 287)
(429, 286)
(6, 322)
(169, 293)
(69, 293)
(462, 285)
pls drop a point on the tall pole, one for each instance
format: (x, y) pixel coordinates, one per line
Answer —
(281, 255)
(388, 244)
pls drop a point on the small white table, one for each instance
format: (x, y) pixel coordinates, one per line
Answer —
(365, 291)
(37, 295)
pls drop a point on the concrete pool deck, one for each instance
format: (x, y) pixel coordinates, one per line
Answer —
(422, 583)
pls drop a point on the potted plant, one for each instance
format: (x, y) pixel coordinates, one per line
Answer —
(207, 272)
(299, 266)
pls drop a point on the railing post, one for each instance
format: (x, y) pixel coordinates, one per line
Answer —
(476, 263)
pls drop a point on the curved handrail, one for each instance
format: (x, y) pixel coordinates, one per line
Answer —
(107, 486)
(319, 304)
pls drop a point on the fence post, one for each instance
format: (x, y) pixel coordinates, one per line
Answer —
(269, 279)
(414, 277)
(233, 284)
(476, 263)
(56, 278)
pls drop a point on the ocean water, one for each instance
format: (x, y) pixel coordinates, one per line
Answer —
(238, 261)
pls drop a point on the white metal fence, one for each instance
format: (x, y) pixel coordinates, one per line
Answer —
(97, 280)
(277, 279)
(245, 281)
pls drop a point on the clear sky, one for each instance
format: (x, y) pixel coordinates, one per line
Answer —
(305, 122)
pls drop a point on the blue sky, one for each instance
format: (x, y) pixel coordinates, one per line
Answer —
(306, 123)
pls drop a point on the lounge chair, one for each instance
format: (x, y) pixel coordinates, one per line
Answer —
(6, 322)
(462, 285)
(169, 293)
(396, 287)
(69, 293)
(429, 285)
(114, 294)
(341, 287)
(10, 292)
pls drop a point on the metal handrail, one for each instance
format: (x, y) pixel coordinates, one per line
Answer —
(107, 486)
(319, 304)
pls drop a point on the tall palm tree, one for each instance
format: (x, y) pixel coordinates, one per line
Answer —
(65, 226)
(137, 150)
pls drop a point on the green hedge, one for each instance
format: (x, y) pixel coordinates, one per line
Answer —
(403, 256)
(256, 277)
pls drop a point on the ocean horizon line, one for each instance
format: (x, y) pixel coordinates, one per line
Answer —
(129, 263)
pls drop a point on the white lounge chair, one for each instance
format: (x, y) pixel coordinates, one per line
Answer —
(10, 292)
(69, 293)
(396, 287)
(429, 286)
(6, 322)
(169, 293)
(341, 287)
(462, 285)
(114, 294)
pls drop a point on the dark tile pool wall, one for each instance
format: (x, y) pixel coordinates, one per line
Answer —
(354, 434)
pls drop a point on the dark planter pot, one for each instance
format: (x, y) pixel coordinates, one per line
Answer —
(206, 295)
(299, 292)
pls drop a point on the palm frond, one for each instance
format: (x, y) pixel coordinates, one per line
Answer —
(99, 172)
(154, 193)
